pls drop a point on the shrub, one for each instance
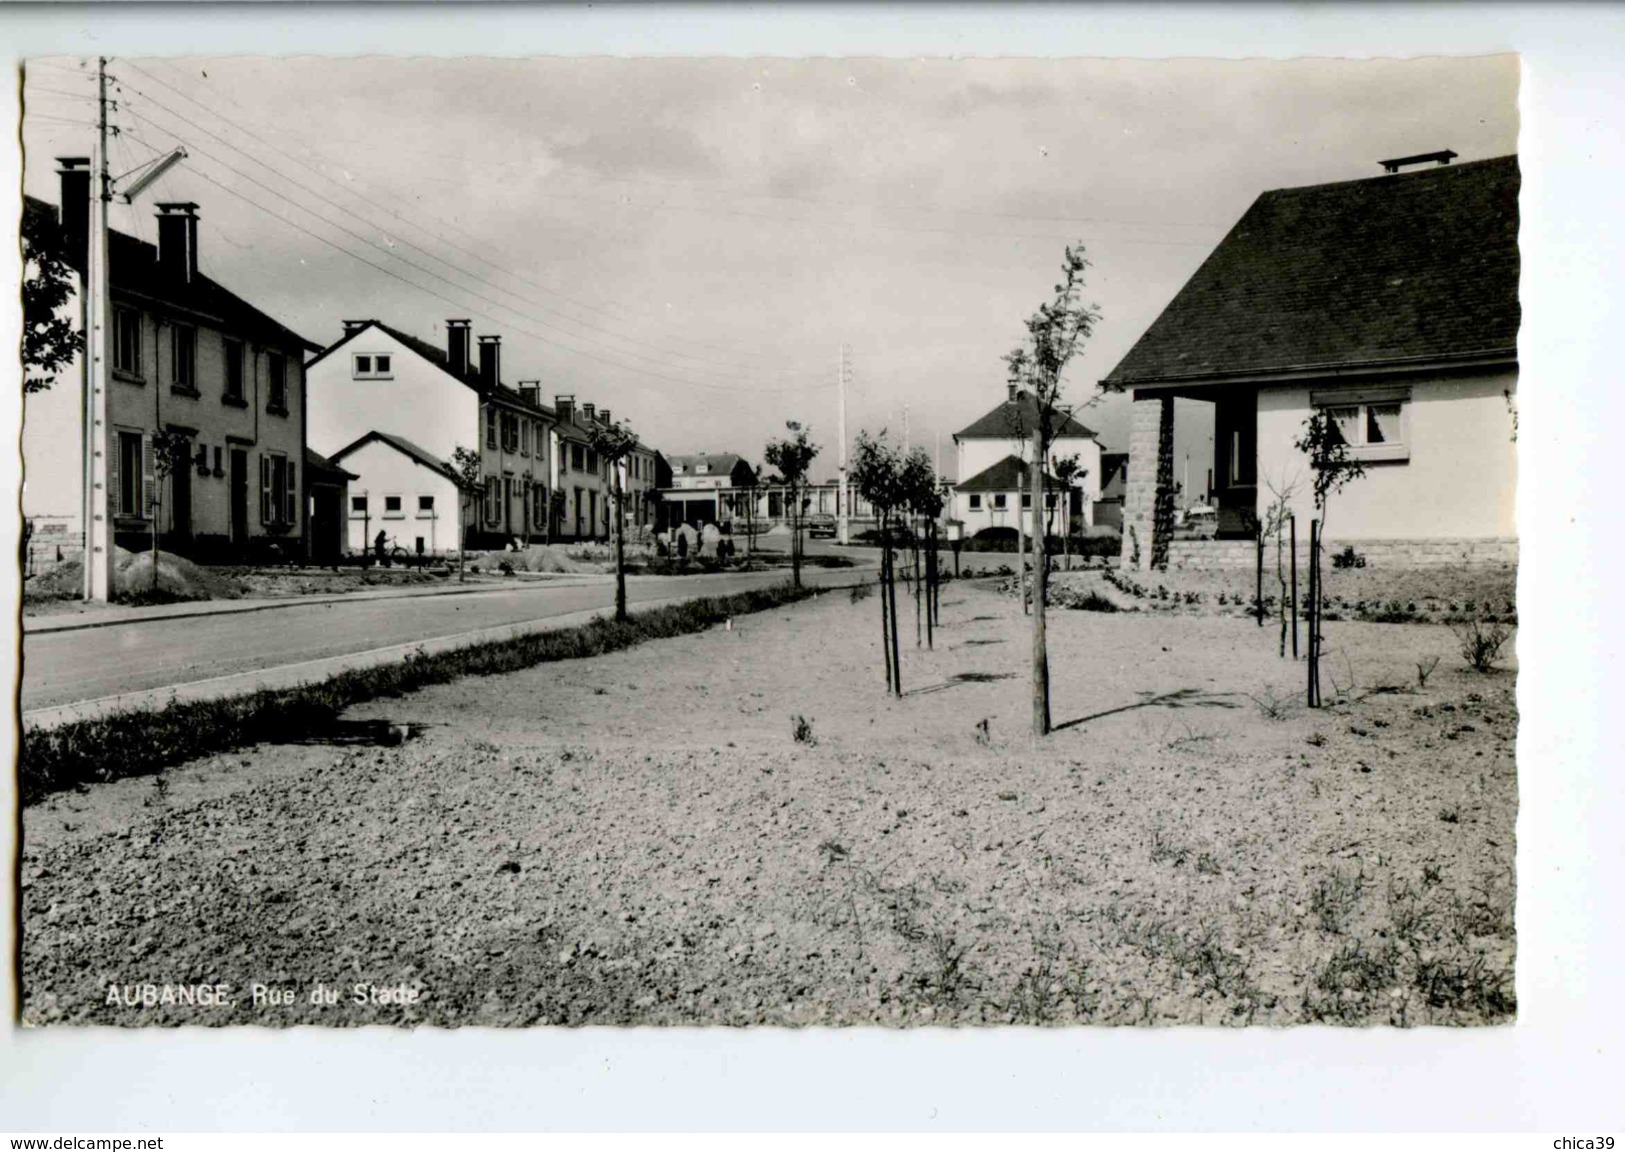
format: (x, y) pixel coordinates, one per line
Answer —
(1481, 642)
(802, 731)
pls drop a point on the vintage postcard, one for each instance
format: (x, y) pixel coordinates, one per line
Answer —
(769, 542)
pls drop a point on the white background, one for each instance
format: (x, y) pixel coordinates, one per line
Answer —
(1558, 1069)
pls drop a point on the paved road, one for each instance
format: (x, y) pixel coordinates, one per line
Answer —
(70, 667)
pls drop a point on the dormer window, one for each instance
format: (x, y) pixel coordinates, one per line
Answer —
(702, 469)
(373, 366)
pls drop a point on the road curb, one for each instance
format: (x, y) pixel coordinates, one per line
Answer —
(238, 608)
(309, 671)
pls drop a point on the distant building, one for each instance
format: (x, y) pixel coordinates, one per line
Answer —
(1389, 304)
(994, 453)
(402, 490)
(192, 359)
(380, 379)
(328, 487)
(708, 488)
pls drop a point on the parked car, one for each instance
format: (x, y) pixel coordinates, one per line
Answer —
(821, 524)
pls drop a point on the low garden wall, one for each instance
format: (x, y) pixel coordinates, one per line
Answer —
(1222, 555)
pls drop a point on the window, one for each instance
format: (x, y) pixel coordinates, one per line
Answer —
(372, 367)
(975, 501)
(510, 432)
(1050, 499)
(490, 427)
(131, 481)
(592, 460)
(127, 341)
(426, 506)
(234, 371)
(524, 437)
(702, 468)
(276, 371)
(1372, 424)
(183, 358)
(1026, 500)
(279, 493)
(493, 497)
(999, 499)
(578, 458)
(392, 508)
(358, 505)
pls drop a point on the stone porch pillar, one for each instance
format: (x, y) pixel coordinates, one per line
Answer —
(1148, 498)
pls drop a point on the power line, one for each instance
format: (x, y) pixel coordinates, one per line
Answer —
(419, 267)
(461, 305)
(708, 365)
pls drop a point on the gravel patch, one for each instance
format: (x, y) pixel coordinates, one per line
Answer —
(640, 838)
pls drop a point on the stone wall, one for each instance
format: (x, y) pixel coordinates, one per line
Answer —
(1148, 498)
(1439, 551)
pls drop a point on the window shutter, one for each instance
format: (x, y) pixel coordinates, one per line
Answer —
(293, 494)
(146, 475)
(265, 489)
(115, 481)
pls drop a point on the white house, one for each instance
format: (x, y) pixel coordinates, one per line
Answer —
(380, 379)
(401, 490)
(994, 456)
(1391, 305)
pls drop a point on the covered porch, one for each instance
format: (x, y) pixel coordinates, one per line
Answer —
(1156, 484)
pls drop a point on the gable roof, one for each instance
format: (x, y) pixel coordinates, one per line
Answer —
(436, 357)
(719, 463)
(1016, 418)
(1420, 267)
(402, 445)
(133, 265)
(1005, 476)
(319, 467)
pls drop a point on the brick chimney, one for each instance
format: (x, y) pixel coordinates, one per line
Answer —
(1012, 389)
(589, 413)
(565, 406)
(604, 416)
(75, 211)
(530, 391)
(457, 347)
(490, 361)
(177, 241)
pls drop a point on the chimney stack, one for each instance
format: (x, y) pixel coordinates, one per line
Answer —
(177, 240)
(1012, 388)
(457, 347)
(565, 406)
(530, 391)
(490, 361)
(75, 210)
(589, 413)
(355, 325)
(604, 416)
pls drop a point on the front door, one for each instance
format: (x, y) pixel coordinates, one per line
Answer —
(180, 485)
(239, 498)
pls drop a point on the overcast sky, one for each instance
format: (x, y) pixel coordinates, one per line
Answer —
(689, 242)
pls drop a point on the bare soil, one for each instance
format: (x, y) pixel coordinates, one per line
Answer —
(642, 839)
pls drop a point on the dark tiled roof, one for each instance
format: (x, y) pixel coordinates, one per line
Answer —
(319, 467)
(1005, 476)
(721, 463)
(134, 266)
(1420, 266)
(1015, 418)
(401, 444)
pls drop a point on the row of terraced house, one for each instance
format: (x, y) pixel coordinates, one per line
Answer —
(275, 446)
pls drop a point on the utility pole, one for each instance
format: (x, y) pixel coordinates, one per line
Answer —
(98, 557)
(842, 494)
(905, 430)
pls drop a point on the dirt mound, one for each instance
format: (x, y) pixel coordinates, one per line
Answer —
(560, 558)
(177, 577)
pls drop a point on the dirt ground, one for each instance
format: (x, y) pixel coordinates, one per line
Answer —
(642, 838)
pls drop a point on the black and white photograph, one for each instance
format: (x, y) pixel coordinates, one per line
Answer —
(769, 542)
